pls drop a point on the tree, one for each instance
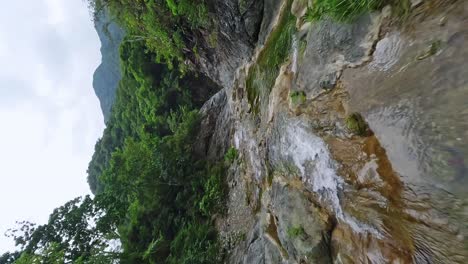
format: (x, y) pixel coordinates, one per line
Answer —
(75, 231)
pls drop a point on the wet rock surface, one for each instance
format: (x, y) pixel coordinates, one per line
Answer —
(331, 47)
(308, 189)
(303, 230)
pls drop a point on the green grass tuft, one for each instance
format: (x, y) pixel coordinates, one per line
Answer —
(298, 97)
(296, 231)
(341, 10)
(431, 50)
(231, 155)
(401, 8)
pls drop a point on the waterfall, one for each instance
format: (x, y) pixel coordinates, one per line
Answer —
(311, 156)
(295, 53)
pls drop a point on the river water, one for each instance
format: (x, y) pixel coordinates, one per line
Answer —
(414, 96)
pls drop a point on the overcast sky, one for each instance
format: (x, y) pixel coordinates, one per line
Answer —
(49, 115)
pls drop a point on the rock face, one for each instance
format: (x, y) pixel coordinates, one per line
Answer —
(305, 188)
(107, 76)
(332, 47)
(231, 42)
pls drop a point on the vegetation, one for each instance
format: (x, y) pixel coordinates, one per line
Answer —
(341, 10)
(164, 26)
(431, 50)
(298, 97)
(401, 8)
(67, 236)
(262, 75)
(349, 10)
(296, 231)
(357, 125)
(231, 155)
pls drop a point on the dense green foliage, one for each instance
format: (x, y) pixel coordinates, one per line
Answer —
(231, 155)
(68, 235)
(148, 100)
(165, 195)
(164, 26)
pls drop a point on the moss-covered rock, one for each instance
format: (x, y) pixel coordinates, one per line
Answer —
(357, 125)
(298, 97)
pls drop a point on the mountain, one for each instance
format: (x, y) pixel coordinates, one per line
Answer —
(107, 75)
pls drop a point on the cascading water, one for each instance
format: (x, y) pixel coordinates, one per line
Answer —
(295, 53)
(318, 171)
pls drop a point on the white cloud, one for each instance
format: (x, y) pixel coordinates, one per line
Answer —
(3, 46)
(55, 12)
(43, 84)
(49, 115)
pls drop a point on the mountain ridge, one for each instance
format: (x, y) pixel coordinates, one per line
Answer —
(107, 75)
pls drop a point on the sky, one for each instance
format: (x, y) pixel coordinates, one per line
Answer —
(49, 115)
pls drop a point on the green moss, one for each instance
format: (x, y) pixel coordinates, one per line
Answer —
(356, 124)
(243, 236)
(213, 39)
(298, 97)
(231, 155)
(302, 47)
(288, 168)
(243, 6)
(262, 75)
(401, 8)
(195, 52)
(270, 178)
(296, 231)
(435, 47)
(431, 50)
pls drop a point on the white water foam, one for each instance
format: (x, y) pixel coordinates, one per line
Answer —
(295, 53)
(245, 140)
(311, 157)
(318, 170)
